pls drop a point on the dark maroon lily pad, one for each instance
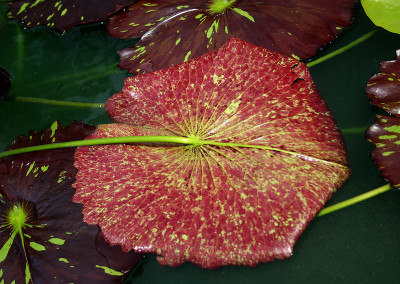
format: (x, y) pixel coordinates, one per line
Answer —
(385, 134)
(176, 31)
(62, 15)
(52, 244)
(384, 91)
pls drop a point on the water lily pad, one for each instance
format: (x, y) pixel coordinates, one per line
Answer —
(176, 31)
(242, 201)
(383, 13)
(62, 15)
(43, 237)
(385, 134)
(384, 91)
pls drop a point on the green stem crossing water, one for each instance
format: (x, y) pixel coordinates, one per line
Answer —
(194, 141)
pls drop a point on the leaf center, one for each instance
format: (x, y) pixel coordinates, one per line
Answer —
(220, 6)
(18, 216)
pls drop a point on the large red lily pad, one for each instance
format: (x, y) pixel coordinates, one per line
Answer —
(52, 244)
(62, 15)
(383, 89)
(214, 205)
(176, 31)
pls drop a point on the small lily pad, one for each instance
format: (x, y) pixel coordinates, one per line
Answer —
(383, 13)
(62, 15)
(384, 91)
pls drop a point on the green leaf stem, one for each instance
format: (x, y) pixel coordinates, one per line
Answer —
(188, 141)
(355, 200)
(56, 102)
(342, 49)
(194, 141)
(112, 69)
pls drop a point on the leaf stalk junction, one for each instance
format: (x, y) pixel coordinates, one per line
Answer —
(193, 141)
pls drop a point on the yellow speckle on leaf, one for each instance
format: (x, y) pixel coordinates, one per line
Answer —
(394, 128)
(187, 56)
(63, 260)
(233, 106)
(57, 241)
(295, 57)
(37, 247)
(110, 271)
(244, 14)
(149, 4)
(22, 9)
(36, 2)
(385, 154)
(214, 26)
(44, 168)
(384, 137)
(30, 168)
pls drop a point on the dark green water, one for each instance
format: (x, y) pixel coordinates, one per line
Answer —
(358, 244)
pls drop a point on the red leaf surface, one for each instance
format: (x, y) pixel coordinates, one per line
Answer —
(175, 31)
(383, 89)
(214, 205)
(54, 245)
(62, 15)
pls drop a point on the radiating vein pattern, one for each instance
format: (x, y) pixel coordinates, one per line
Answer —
(175, 31)
(214, 205)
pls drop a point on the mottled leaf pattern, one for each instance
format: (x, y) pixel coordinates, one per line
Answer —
(385, 134)
(62, 15)
(214, 205)
(175, 31)
(384, 91)
(55, 245)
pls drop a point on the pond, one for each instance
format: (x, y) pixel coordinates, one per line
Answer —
(353, 245)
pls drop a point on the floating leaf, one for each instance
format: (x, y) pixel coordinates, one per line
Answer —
(383, 13)
(62, 15)
(384, 91)
(43, 238)
(243, 201)
(385, 134)
(175, 31)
